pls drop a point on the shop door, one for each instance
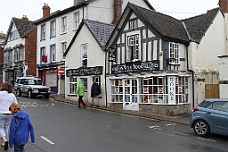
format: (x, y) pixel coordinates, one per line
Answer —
(131, 95)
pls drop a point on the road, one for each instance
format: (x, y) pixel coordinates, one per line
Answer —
(61, 127)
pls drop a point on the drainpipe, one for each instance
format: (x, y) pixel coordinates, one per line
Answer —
(105, 79)
(193, 75)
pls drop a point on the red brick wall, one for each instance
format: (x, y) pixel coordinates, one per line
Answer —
(30, 51)
(117, 11)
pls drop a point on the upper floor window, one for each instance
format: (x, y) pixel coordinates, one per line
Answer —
(64, 47)
(64, 24)
(10, 56)
(18, 54)
(133, 48)
(53, 28)
(84, 48)
(77, 19)
(133, 24)
(173, 53)
(52, 53)
(43, 32)
(13, 35)
(43, 56)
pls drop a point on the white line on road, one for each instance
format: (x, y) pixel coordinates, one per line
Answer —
(153, 126)
(47, 140)
(206, 139)
(179, 133)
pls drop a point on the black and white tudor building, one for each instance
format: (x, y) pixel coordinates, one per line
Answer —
(148, 62)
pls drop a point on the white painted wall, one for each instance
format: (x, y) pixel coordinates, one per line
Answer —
(203, 57)
(96, 57)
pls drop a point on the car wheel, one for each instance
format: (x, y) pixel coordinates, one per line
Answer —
(30, 95)
(201, 128)
(18, 92)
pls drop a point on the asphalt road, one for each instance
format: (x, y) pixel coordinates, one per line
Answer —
(61, 127)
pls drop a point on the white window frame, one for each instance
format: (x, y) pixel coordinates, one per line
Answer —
(133, 48)
(174, 53)
(43, 32)
(182, 90)
(53, 28)
(133, 24)
(53, 53)
(72, 85)
(154, 90)
(84, 55)
(64, 24)
(77, 19)
(42, 52)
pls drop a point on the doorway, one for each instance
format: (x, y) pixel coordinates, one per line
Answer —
(131, 94)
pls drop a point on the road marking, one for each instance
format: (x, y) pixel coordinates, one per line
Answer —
(171, 124)
(47, 140)
(206, 139)
(179, 133)
(152, 127)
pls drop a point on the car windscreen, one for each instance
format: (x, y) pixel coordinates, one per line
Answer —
(34, 82)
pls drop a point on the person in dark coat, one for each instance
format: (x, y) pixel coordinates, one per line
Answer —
(95, 91)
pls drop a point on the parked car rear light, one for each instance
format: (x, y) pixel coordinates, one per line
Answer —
(195, 109)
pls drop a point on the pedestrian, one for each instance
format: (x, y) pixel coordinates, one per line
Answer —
(20, 128)
(80, 92)
(95, 92)
(6, 99)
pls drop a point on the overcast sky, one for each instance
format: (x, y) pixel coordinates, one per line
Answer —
(179, 9)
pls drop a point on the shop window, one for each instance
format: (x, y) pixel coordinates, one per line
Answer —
(182, 94)
(117, 90)
(154, 90)
(73, 85)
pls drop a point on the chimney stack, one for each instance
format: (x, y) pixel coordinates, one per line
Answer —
(223, 4)
(25, 18)
(46, 11)
(117, 11)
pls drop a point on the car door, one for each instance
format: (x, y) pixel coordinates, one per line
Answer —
(219, 117)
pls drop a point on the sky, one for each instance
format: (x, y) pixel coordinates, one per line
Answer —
(179, 9)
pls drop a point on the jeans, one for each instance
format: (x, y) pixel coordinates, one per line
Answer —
(19, 148)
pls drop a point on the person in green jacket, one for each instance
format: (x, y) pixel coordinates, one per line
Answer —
(80, 92)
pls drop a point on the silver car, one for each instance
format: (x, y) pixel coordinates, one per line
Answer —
(32, 86)
(210, 116)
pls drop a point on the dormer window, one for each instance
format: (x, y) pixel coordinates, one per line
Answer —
(133, 48)
(133, 24)
(174, 53)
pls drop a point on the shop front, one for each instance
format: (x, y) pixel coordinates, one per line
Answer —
(49, 76)
(149, 91)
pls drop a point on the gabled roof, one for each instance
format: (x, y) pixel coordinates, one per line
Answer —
(197, 26)
(166, 25)
(100, 31)
(23, 26)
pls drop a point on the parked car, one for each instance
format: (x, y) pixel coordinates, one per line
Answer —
(210, 116)
(32, 86)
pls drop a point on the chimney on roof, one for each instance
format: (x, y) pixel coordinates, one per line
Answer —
(117, 10)
(25, 18)
(223, 4)
(46, 11)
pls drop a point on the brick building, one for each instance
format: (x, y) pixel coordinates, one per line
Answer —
(20, 49)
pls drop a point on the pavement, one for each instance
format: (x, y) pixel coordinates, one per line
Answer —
(182, 119)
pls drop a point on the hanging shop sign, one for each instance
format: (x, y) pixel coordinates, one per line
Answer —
(84, 71)
(135, 67)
